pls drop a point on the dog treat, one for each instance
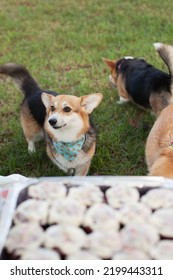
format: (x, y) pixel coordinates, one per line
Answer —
(130, 254)
(139, 236)
(91, 220)
(135, 212)
(163, 250)
(47, 190)
(87, 194)
(83, 255)
(32, 210)
(66, 211)
(104, 243)
(39, 254)
(67, 238)
(24, 235)
(158, 198)
(119, 195)
(162, 219)
(101, 216)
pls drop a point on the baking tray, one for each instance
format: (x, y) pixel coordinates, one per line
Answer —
(143, 184)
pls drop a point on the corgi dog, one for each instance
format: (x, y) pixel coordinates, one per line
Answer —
(142, 83)
(63, 120)
(159, 145)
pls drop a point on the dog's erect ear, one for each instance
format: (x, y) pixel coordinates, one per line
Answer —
(91, 101)
(110, 63)
(46, 99)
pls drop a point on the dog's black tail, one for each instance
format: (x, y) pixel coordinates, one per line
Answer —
(21, 77)
(166, 53)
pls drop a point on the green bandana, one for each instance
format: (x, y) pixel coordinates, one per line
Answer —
(69, 150)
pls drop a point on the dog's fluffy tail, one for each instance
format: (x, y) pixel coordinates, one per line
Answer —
(21, 77)
(166, 53)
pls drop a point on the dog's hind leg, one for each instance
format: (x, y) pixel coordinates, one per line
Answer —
(31, 142)
(32, 130)
(159, 101)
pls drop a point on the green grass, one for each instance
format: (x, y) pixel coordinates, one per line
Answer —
(62, 44)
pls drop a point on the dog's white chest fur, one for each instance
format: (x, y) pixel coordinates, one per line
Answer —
(65, 164)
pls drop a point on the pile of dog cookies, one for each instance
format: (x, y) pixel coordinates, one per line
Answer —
(88, 220)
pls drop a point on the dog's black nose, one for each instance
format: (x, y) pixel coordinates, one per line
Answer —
(52, 122)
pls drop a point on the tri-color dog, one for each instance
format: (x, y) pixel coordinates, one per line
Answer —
(141, 82)
(63, 120)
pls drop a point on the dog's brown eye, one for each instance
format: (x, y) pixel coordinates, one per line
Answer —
(52, 108)
(67, 109)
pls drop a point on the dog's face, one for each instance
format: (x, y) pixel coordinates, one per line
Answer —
(68, 116)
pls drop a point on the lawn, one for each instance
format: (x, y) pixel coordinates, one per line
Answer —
(62, 44)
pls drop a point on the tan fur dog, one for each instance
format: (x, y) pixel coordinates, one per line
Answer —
(63, 120)
(159, 145)
(142, 83)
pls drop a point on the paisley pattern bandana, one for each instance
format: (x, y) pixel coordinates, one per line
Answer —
(69, 150)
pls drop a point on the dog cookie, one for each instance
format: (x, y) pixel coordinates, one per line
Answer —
(163, 250)
(24, 235)
(130, 254)
(120, 195)
(47, 190)
(162, 219)
(158, 198)
(87, 194)
(137, 236)
(104, 243)
(83, 255)
(67, 238)
(101, 216)
(32, 210)
(39, 254)
(134, 212)
(66, 211)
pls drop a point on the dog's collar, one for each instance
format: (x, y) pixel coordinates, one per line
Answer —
(69, 150)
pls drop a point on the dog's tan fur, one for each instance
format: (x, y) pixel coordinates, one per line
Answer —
(32, 130)
(159, 145)
(122, 89)
(81, 109)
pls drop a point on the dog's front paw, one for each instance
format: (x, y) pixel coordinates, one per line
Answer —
(71, 172)
(119, 102)
(122, 100)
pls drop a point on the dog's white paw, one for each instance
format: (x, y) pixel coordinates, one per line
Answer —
(122, 100)
(119, 102)
(31, 147)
